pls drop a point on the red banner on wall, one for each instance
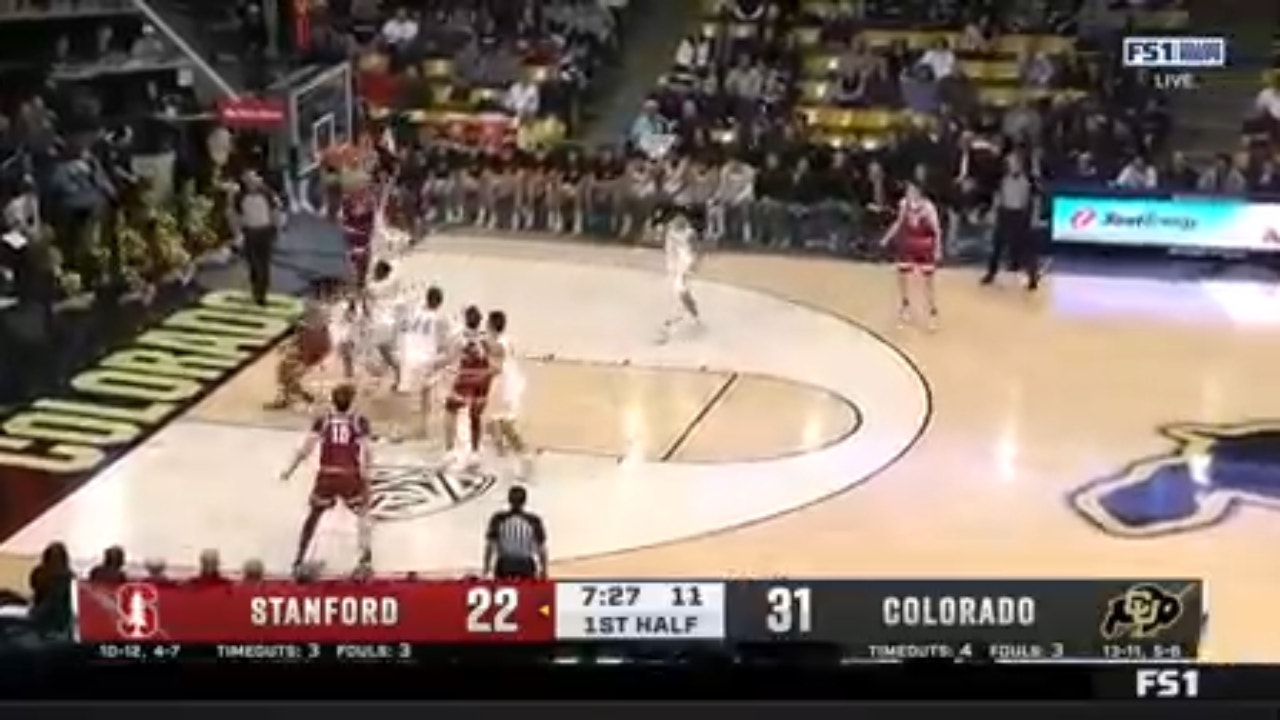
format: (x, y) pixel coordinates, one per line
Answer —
(255, 113)
(286, 612)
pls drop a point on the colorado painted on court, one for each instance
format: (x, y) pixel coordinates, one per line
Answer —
(986, 611)
(132, 391)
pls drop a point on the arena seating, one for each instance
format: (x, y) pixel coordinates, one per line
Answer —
(457, 80)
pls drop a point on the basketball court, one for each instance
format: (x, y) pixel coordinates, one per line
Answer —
(1105, 427)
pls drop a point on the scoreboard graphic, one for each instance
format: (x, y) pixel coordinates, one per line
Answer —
(1040, 620)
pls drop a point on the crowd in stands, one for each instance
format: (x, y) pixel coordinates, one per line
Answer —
(486, 72)
(85, 127)
(794, 123)
(45, 610)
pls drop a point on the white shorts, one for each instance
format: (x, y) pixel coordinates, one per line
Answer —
(507, 401)
(383, 333)
(680, 282)
(429, 371)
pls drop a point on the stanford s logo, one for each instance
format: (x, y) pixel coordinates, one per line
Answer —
(137, 607)
(1211, 472)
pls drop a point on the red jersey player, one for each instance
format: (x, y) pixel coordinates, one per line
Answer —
(308, 348)
(472, 360)
(917, 235)
(342, 436)
(359, 215)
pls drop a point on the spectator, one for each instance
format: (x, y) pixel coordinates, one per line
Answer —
(111, 569)
(523, 98)
(735, 196)
(401, 30)
(978, 37)
(210, 573)
(148, 46)
(1022, 124)
(1267, 104)
(919, 89)
(1137, 174)
(253, 571)
(745, 83)
(309, 572)
(940, 59)
(1038, 70)
(51, 584)
(695, 54)
(650, 133)
(22, 213)
(1222, 177)
(1180, 175)
(156, 572)
(1267, 180)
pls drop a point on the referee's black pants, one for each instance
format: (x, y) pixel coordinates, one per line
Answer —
(1013, 238)
(513, 567)
(259, 246)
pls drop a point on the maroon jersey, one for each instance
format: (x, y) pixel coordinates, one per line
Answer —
(313, 334)
(474, 368)
(342, 437)
(918, 239)
(358, 212)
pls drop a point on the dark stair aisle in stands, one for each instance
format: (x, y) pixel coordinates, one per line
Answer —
(651, 34)
(1208, 119)
(204, 26)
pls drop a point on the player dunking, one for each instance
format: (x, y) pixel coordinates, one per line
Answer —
(678, 240)
(308, 348)
(917, 234)
(508, 393)
(471, 358)
(359, 217)
(429, 332)
(342, 436)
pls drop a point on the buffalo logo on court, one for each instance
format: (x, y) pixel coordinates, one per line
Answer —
(404, 492)
(1143, 611)
(1211, 472)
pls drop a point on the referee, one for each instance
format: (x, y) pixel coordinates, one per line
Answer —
(1013, 235)
(516, 542)
(257, 215)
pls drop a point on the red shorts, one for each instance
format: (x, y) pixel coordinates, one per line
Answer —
(469, 396)
(918, 256)
(359, 254)
(331, 487)
(313, 347)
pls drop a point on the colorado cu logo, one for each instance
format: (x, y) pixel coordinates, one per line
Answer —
(405, 493)
(1209, 472)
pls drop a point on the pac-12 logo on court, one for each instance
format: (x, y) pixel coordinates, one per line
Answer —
(1212, 471)
(404, 493)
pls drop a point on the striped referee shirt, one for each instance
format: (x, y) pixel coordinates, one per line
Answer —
(1014, 192)
(516, 534)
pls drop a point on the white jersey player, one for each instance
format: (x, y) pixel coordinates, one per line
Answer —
(678, 241)
(383, 309)
(507, 394)
(429, 333)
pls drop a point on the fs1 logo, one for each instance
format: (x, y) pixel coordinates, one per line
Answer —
(1167, 683)
(138, 610)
